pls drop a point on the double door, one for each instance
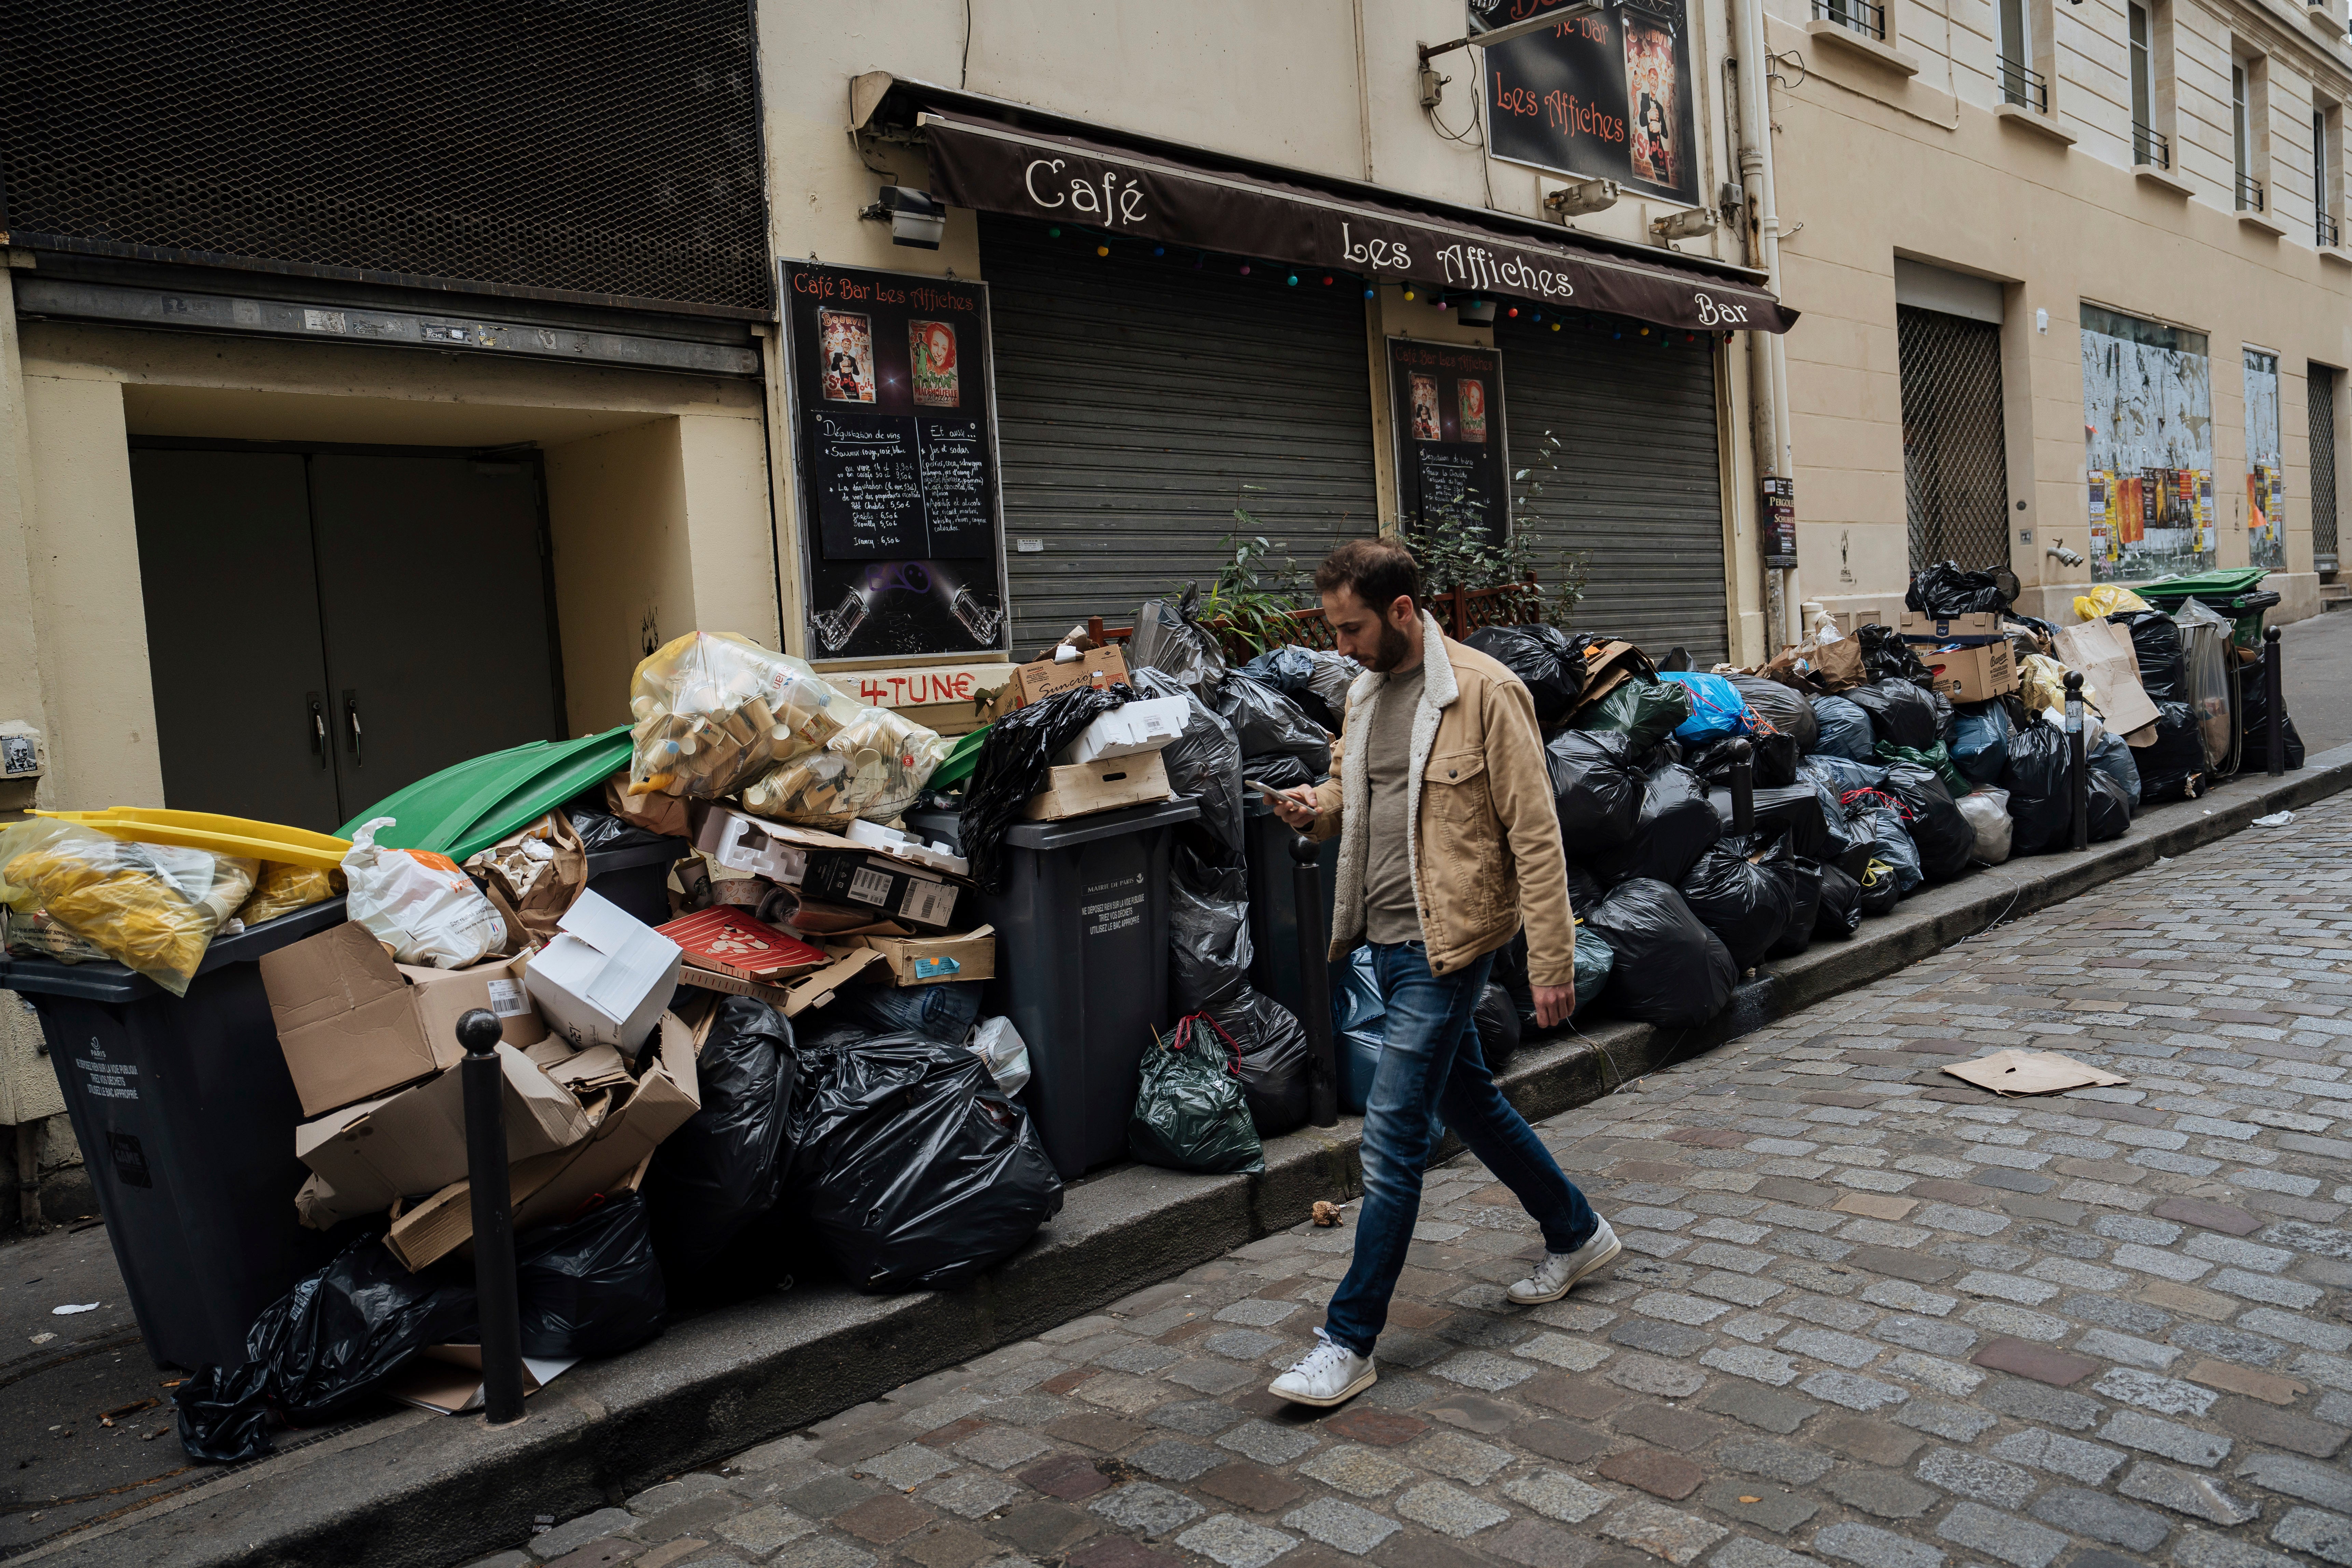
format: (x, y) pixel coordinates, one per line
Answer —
(327, 626)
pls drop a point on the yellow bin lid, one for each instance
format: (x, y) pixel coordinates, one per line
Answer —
(235, 835)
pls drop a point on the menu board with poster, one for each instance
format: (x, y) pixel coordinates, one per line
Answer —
(1446, 400)
(893, 413)
(1606, 96)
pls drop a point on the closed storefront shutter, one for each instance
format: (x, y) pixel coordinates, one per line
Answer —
(1140, 400)
(1637, 488)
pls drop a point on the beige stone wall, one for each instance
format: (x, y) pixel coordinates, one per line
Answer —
(1873, 163)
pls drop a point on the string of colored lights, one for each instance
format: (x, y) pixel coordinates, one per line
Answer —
(1615, 326)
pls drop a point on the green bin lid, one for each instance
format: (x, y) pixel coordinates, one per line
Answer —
(472, 805)
(2205, 585)
(961, 758)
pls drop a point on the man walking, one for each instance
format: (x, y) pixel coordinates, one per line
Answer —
(1448, 838)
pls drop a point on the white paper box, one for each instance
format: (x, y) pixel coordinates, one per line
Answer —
(605, 978)
(1145, 726)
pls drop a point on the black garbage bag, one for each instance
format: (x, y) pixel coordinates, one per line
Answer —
(2174, 767)
(1546, 662)
(2254, 703)
(944, 1011)
(1271, 1046)
(1901, 714)
(1947, 718)
(1771, 761)
(1268, 724)
(1675, 826)
(1668, 968)
(1943, 588)
(1737, 891)
(1981, 742)
(1209, 951)
(1845, 730)
(1510, 968)
(2040, 803)
(600, 830)
(222, 1414)
(1806, 879)
(1205, 762)
(1891, 844)
(1785, 707)
(2156, 641)
(1013, 758)
(1881, 889)
(1308, 677)
(1497, 1020)
(911, 1166)
(1169, 637)
(1279, 771)
(335, 1337)
(1648, 710)
(2110, 808)
(726, 1166)
(593, 1287)
(1947, 843)
(1584, 890)
(1886, 657)
(1796, 812)
(1596, 784)
(1841, 910)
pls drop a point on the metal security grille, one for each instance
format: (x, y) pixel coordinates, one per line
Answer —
(2322, 383)
(604, 151)
(1954, 464)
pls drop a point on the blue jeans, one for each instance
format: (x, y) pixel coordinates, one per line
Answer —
(1431, 1067)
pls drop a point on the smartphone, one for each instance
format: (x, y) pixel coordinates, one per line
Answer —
(1272, 796)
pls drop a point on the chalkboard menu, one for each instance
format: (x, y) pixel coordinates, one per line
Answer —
(1604, 97)
(892, 403)
(1446, 402)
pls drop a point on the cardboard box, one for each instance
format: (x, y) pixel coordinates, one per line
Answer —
(1916, 627)
(605, 978)
(758, 848)
(1090, 787)
(1972, 673)
(1047, 678)
(551, 1188)
(872, 879)
(354, 1025)
(723, 940)
(415, 1141)
(931, 960)
(448, 1379)
(798, 996)
(1138, 727)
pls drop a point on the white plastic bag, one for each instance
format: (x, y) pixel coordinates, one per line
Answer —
(420, 902)
(1987, 809)
(996, 1042)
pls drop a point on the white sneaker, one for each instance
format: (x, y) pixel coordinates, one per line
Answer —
(1331, 1375)
(1560, 1270)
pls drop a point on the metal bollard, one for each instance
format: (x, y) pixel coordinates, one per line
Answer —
(494, 1249)
(1743, 788)
(2078, 769)
(1315, 981)
(2275, 700)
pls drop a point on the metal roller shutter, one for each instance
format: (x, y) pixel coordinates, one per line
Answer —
(1638, 488)
(1140, 400)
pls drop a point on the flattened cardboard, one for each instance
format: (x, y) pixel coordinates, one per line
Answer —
(1091, 787)
(415, 1141)
(448, 1379)
(935, 959)
(605, 978)
(2104, 654)
(2016, 1073)
(552, 1187)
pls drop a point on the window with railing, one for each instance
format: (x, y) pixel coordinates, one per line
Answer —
(2021, 84)
(2151, 147)
(1861, 16)
(2250, 193)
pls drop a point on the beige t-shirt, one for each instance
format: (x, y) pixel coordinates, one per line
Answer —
(1391, 913)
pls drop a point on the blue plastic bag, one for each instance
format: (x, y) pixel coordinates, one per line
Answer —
(1981, 747)
(1845, 730)
(2113, 757)
(1843, 773)
(1594, 959)
(1717, 710)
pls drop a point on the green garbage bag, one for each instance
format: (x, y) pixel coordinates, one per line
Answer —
(1937, 758)
(1594, 959)
(1191, 1113)
(1648, 710)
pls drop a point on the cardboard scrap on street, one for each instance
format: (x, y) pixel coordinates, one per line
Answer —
(2014, 1071)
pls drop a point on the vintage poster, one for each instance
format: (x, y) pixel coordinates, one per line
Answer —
(2147, 414)
(1652, 88)
(1425, 424)
(931, 346)
(1447, 404)
(901, 537)
(2265, 464)
(1472, 418)
(1606, 96)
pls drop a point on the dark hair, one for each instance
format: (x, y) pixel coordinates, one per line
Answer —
(1375, 570)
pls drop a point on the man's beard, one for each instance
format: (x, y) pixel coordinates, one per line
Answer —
(1392, 650)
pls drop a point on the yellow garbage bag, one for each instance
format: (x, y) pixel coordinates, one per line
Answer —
(2045, 685)
(282, 889)
(2106, 600)
(152, 908)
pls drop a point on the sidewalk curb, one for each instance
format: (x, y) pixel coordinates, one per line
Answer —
(433, 1490)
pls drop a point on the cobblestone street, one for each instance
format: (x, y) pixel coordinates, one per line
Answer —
(1867, 1313)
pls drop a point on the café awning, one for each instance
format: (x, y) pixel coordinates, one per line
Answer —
(1152, 194)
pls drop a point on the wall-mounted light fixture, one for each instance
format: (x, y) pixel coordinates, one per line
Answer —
(916, 218)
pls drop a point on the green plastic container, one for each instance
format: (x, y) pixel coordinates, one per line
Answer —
(473, 805)
(2236, 592)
